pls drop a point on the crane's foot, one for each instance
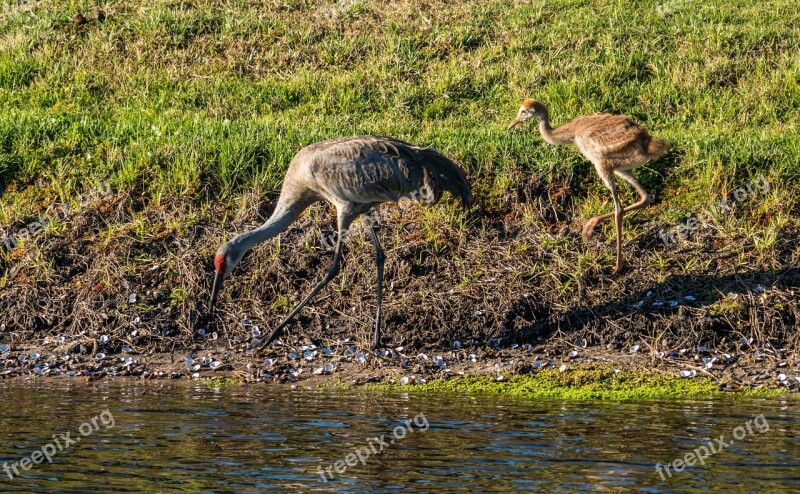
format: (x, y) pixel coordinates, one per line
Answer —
(588, 228)
(265, 344)
(618, 269)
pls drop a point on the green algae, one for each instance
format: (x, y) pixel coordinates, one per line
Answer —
(582, 384)
(215, 382)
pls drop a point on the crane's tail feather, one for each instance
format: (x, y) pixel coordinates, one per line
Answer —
(657, 148)
(449, 176)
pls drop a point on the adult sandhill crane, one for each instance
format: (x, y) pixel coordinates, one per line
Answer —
(614, 144)
(354, 174)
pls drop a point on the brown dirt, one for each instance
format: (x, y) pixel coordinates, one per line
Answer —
(140, 274)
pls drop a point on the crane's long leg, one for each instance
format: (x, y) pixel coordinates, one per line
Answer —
(644, 200)
(345, 220)
(618, 214)
(380, 258)
(608, 180)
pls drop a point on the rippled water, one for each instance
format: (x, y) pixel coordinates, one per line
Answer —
(180, 437)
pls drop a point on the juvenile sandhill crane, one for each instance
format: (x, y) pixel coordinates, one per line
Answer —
(354, 174)
(614, 144)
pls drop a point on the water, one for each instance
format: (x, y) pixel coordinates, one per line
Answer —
(189, 437)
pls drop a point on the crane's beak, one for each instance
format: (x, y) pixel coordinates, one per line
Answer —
(218, 279)
(514, 123)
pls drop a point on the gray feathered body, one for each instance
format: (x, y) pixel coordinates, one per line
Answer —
(356, 174)
(370, 170)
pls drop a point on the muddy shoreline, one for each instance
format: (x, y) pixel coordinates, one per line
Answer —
(495, 292)
(345, 364)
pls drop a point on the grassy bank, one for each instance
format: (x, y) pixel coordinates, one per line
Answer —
(192, 110)
(196, 98)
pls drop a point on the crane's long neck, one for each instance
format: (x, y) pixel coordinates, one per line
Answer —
(286, 212)
(546, 130)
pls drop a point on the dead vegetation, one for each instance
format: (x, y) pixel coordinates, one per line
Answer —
(141, 274)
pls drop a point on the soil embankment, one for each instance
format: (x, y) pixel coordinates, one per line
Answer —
(121, 290)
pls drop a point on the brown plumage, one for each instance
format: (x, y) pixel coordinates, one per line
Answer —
(354, 174)
(614, 144)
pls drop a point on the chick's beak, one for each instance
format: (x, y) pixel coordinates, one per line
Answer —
(218, 279)
(515, 122)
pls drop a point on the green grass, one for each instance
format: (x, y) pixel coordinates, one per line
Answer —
(176, 99)
(581, 384)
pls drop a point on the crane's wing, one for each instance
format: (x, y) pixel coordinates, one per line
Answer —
(610, 134)
(368, 170)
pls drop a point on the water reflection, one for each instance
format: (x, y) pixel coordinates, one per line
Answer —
(188, 437)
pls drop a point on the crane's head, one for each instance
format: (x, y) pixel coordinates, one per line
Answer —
(226, 258)
(529, 109)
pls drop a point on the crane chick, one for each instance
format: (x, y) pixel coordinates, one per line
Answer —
(614, 144)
